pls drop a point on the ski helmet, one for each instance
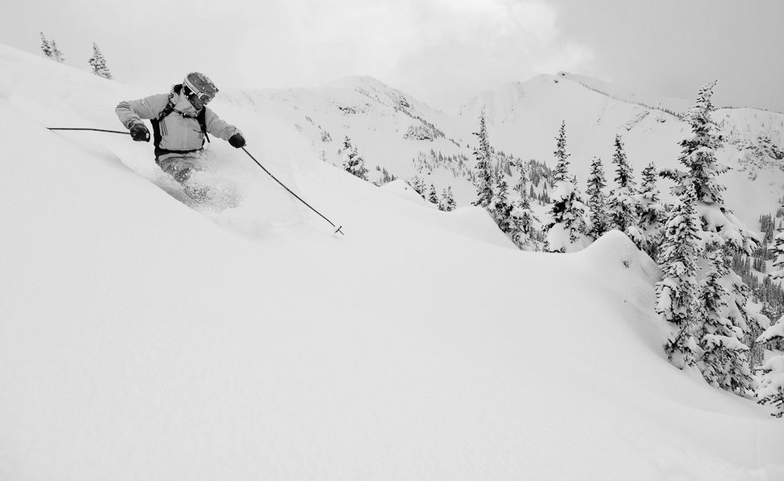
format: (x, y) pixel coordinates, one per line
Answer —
(201, 86)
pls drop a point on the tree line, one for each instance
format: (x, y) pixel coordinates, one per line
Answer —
(96, 62)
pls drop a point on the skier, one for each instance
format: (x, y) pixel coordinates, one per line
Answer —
(180, 121)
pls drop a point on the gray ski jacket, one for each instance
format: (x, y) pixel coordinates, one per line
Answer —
(180, 130)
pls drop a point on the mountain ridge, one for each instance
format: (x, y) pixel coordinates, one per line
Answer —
(523, 119)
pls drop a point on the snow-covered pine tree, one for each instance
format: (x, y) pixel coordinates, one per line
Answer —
(57, 55)
(651, 214)
(483, 180)
(524, 228)
(447, 203)
(353, 162)
(698, 153)
(46, 46)
(720, 230)
(561, 171)
(522, 179)
(98, 63)
(597, 202)
(759, 347)
(622, 203)
(566, 229)
(432, 196)
(418, 185)
(723, 357)
(522, 217)
(677, 293)
(778, 260)
(501, 207)
(771, 387)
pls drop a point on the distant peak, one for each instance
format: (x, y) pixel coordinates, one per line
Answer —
(358, 81)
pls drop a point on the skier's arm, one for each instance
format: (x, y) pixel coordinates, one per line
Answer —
(131, 112)
(218, 127)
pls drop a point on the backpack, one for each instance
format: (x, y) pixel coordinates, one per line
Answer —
(200, 117)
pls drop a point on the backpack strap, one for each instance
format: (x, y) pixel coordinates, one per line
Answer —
(201, 117)
(156, 128)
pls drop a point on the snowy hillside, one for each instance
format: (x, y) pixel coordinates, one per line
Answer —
(145, 338)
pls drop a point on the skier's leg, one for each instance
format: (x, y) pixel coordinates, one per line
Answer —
(179, 167)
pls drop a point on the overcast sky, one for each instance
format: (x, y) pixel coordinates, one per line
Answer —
(440, 51)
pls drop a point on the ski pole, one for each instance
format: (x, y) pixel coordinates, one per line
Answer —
(94, 130)
(292, 193)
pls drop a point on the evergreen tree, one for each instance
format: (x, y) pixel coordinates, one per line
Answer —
(521, 180)
(651, 214)
(561, 171)
(565, 231)
(698, 153)
(353, 162)
(597, 203)
(501, 207)
(418, 185)
(771, 387)
(46, 47)
(622, 201)
(678, 290)
(447, 203)
(721, 231)
(57, 55)
(722, 355)
(767, 226)
(522, 217)
(483, 179)
(778, 260)
(98, 63)
(432, 197)
(523, 225)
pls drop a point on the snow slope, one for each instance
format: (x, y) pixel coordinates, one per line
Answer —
(143, 338)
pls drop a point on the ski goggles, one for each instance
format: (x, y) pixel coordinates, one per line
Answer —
(204, 97)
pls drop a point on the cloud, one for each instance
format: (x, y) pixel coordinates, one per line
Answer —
(671, 47)
(441, 51)
(438, 50)
(474, 45)
(435, 49)
(311, 42)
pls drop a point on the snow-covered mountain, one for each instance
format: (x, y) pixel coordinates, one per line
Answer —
(524, 119)
(392, 130)
(143, 337)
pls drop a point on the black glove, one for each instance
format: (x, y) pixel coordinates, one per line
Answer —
(237, 141)
(140, 133)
